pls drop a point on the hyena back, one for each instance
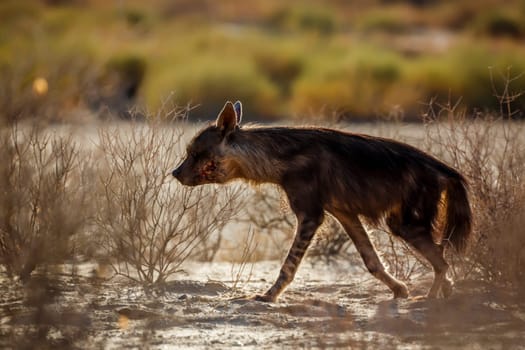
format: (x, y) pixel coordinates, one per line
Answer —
(350, 176)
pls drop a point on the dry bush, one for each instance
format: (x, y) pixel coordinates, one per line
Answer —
(267, 212)
(149, 224)
(44, 198)
(401, 260)
(490, 152)
(330, 242)
(242, 271)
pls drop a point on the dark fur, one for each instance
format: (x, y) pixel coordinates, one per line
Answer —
(352, 177)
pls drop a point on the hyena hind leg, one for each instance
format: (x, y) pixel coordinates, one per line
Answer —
(364, 246)
(421, 239)
(434, 254)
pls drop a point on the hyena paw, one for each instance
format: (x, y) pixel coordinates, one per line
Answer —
(446, 288)
(264, 298)
(400, 291)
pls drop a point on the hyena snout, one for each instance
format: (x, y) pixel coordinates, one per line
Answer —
(176, 173)
(187, 175)
(180, 175)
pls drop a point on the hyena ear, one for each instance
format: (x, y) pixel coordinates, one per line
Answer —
(238, 111)
(227, 119)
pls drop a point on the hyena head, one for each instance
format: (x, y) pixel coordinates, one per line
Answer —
(206, 160)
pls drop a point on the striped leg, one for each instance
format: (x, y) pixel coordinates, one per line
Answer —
(306, 228)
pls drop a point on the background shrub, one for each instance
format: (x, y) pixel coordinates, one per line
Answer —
(348, 86)
(43, 184)
(314, 19)
(363, 60)
(499, 24)
(206, 85)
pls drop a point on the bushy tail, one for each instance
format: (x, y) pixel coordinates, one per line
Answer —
(458, 222)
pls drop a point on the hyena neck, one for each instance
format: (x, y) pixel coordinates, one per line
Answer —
(255, 156)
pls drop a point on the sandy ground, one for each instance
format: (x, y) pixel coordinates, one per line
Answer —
(327, 306)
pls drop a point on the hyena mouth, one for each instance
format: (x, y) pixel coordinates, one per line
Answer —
(208, 171)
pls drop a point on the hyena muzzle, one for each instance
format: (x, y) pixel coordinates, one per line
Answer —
(353, 177)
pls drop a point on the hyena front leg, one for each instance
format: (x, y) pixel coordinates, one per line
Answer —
(306, 227)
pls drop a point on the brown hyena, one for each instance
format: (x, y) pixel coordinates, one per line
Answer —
(348, 175)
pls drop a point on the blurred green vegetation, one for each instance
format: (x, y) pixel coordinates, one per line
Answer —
(318, 59)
